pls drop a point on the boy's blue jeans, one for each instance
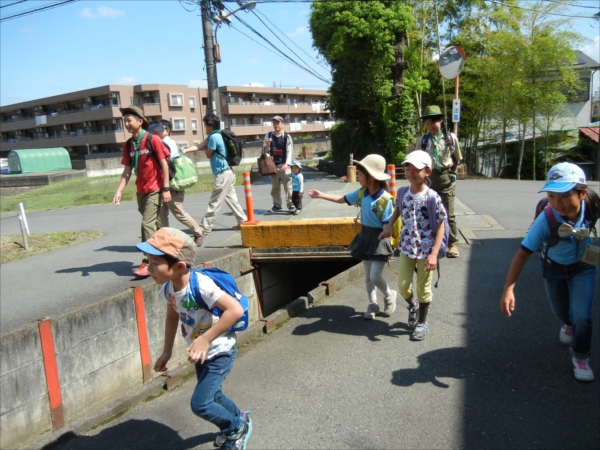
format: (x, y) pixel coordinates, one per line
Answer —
(570, 290)
(208, 400)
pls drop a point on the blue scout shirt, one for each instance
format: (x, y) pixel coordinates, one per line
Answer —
(564, 251)
(368, 212)
(218, 163)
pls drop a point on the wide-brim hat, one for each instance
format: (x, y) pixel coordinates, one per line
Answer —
(563, 178)
(136, 111)
(375, 166)
(432, 111)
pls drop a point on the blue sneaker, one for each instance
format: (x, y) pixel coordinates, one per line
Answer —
(421, 330)
(238, 439)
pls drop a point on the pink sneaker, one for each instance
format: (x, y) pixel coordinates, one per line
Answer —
(142, 271)
(566, 334)
(582, 369)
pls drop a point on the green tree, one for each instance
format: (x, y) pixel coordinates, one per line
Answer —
(365, 45)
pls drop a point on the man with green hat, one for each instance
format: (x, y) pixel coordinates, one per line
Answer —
(444, 150)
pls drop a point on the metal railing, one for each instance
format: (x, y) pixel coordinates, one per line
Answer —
(71, 111)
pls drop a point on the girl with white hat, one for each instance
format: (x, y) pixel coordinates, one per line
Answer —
(376, 205)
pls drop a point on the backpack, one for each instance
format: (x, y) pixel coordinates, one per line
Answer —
(226, 282)
(148, 138)
(233, 146)
(381, 205)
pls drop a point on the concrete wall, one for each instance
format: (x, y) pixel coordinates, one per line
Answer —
(98, 358)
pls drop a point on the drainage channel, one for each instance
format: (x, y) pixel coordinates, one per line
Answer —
(284, 274)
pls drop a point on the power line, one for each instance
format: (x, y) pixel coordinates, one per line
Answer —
(12, 4)
(535, 10)
(36, 10)
(571, 4)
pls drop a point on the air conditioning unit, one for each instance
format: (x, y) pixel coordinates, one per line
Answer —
(88, 99)
(116, 121)
(113, 95)
(38, 108)
(146, 94)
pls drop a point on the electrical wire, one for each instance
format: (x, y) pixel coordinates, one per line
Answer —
(535, 10)
(252, 39)
(36, 10)
(12, 4)
(571, 4)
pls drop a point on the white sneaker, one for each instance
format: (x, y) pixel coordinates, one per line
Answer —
(566, 334)
(372, 311)
(390, 304)
(582, 369)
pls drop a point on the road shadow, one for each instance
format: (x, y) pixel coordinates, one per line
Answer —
(121, 268)
(132, 434)
(340, 319)
(519, 389)
(118, 249)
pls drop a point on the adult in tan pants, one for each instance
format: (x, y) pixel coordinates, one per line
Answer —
(163, 130)
(280, 146)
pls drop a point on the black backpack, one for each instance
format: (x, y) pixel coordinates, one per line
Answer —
(170, 162)
(233, 146)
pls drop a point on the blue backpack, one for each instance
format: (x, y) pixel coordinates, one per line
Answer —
(226, 282)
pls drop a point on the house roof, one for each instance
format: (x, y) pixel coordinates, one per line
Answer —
(585, 62)
(592, 132)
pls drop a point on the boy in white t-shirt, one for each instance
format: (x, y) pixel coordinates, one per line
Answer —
(163, 130)
(211, 346)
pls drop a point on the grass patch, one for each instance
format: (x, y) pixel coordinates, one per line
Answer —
(91, 191)
(12, 248)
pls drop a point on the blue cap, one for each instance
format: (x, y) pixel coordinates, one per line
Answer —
(156, 127)
(296, 163)
(563, 178)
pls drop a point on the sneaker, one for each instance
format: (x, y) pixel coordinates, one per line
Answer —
(275, 208)
(452, 252)
(566, 334)
(221, 438)
(372, 311)
(413, 315)
(238, 439)
(142, 271)
(582, 369)
(390, 304)
(421, 330)
(297, 212)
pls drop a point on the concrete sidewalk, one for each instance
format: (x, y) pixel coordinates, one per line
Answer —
(330, 379)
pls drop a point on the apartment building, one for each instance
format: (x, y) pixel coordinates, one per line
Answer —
(89, 121)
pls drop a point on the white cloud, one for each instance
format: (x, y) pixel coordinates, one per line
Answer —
(198, 84)
(26, 30)
(593, 49)
(126, 80)
(251, 61)
(255, 84)
(299, 31)
(101, 12)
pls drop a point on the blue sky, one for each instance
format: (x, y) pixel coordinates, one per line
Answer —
(94, 43)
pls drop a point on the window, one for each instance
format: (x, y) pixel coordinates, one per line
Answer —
(178, 124)
(175, 99)
(194, 125)
(182, 144)
(131, 100)
(192, 102)
(232, 122)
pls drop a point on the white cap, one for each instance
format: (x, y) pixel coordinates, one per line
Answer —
(419, 159)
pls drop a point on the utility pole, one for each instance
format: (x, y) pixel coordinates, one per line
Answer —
(214, 104)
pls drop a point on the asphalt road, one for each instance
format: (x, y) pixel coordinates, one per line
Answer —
(50, 284)
(330, 379)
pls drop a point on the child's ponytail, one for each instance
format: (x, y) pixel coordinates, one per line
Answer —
(592, 204)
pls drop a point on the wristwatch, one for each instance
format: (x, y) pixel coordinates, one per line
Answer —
(165, 189)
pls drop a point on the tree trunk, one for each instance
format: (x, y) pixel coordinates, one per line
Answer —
(399, 65)
(533, 142)
(521, 152)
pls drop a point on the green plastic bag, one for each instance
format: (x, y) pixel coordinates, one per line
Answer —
(185, 175)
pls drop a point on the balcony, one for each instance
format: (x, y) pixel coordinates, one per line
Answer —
(261, 130)
(280, 109)
(152, 109)
(65, 139)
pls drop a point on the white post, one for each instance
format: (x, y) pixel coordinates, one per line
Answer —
(24, 217)
(23, 233)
